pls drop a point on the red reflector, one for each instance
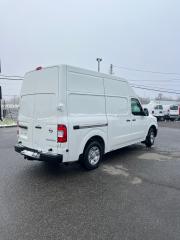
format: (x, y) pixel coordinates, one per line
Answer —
(61, 133)
(38, 68)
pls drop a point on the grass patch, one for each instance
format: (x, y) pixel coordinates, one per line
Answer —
(7, 122)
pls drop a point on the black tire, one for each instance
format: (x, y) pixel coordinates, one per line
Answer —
(95, 148)
(162, 119)
(150, 137)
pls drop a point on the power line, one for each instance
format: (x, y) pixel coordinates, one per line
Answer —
(154, 80)
(169, 89)
(10, 95)
(11, 79)
(150, 88)
(148, 71)
(10, 76)
(155, 90)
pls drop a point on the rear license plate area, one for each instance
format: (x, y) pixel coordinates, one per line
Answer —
(30, 154)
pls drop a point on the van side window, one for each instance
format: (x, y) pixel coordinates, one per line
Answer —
(136, 108)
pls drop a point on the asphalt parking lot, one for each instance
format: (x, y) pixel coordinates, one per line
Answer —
(134, 194)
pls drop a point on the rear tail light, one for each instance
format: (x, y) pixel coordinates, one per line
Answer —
(61, 133)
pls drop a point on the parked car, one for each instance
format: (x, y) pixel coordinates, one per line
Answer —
(68, 114)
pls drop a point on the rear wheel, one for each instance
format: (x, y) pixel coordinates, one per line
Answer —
(92, 155)
(150, 138)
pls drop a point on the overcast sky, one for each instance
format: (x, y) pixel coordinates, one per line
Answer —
(131, 33)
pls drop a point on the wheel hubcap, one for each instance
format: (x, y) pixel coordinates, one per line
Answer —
(94, 155)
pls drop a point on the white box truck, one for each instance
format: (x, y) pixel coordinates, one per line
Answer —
(70, 114)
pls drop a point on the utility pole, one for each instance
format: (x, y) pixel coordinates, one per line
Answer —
(0, 104)
(99, 61)
(1, 115)
(111, 69)
(14, 100)
(4, 108)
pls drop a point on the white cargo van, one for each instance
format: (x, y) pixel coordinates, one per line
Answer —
(69, 114)
(174, 112)
(157, 110)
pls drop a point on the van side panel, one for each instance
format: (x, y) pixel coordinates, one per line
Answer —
(119, 129)
(86, 110)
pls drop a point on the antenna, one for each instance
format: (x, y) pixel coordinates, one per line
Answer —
(111, 69)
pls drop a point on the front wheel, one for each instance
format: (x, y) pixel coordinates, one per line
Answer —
(150, 138)
(162, 119)
(92, 155)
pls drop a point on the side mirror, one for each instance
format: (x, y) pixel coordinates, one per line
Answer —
(146, 112)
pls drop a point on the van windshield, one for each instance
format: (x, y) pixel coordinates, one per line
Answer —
(174, 108)
(159, 107)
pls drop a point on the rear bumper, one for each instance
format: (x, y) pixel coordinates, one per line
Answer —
(174, 116)
(32, 154)
(159, 116)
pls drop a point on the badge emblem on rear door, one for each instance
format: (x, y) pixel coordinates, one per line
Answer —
(50, 130)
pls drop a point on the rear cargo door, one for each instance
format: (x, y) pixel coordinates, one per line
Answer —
(45, 110)
(38, 110)
(45, 122)
(25, 118)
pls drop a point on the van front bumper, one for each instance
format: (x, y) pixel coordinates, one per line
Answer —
(32, 154)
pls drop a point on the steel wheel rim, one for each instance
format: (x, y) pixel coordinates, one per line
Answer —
(94, 155)
(152, 137)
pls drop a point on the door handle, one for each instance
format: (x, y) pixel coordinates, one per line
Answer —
(39, 127)
(22, 126)
(134, 120)
(128, 120)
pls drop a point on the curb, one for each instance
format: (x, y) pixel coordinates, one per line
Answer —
(7, 126)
